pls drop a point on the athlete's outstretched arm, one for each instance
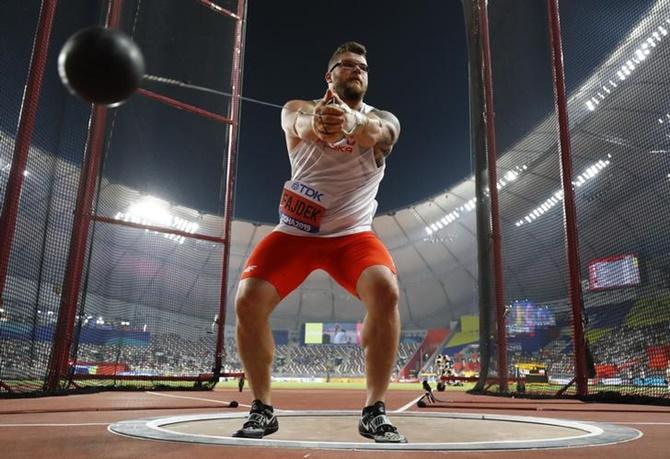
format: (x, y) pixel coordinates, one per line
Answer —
(296, 121)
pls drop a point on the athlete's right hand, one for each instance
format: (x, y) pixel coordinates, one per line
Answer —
(329, 118)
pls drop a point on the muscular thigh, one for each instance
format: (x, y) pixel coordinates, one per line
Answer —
(354, 254)
(282, 260)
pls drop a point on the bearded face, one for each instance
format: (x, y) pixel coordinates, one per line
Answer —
(351, 89)
(349, 77)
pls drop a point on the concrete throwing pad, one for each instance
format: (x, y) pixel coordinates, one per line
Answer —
(424, 431)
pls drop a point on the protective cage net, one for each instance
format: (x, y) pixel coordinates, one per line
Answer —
(615, 64)
(148, 300)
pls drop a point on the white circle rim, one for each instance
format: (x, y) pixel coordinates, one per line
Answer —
(595, 433)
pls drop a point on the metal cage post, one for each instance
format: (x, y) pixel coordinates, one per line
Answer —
(230, 177)
(24, 134)
(80, 228)
(496, 236)
(569, 208)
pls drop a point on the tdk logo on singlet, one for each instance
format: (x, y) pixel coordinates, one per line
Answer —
(307, 191)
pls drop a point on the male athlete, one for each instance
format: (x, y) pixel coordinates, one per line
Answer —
(337, 147)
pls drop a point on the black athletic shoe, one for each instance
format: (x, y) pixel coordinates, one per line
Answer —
(376, 425)
(260, 422)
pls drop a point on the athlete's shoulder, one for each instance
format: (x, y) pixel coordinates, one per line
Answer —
(298, 104)
(385, 115)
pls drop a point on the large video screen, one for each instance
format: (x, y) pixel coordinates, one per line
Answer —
(524, 316)
(614, 272)
(313, 333)
(333, 333)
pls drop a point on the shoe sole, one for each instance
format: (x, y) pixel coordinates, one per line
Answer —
(257, 437)
(372, 437)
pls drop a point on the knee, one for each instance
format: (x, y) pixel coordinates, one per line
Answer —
(378, 289)
(244, 308)
(384, 297)
(252, 305)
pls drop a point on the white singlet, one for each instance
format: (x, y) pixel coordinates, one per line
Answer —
(332, 189)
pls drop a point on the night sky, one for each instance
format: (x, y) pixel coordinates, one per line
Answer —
(417, 58)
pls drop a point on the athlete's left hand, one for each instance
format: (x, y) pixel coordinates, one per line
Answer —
(328, 119)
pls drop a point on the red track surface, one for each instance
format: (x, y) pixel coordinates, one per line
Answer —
(20, 437)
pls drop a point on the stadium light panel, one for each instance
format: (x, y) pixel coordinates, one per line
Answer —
(589, 173)
(156, 212)
(630, 65)
(510, 176)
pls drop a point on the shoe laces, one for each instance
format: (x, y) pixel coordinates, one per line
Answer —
(387, 428)
(256, 420)
(258, 415)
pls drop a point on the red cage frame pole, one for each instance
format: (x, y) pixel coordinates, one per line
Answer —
(184, 106)
(569, 208)
(217, 9)
(230, 178)
(58, 364)
(24, 135)
(496, 234)
(158, 229)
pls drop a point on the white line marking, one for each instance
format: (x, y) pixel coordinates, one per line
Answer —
(639, 423)
(155, 429)
(59, 425)
(221, 402)
(408, 406)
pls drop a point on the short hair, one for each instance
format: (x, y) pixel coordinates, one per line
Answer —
(348, 47)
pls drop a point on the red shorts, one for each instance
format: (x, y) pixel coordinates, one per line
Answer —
(285, 260)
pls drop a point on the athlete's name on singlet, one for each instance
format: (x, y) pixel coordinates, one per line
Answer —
(298, 207)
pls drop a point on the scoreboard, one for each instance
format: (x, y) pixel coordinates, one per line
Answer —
(614, 272)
